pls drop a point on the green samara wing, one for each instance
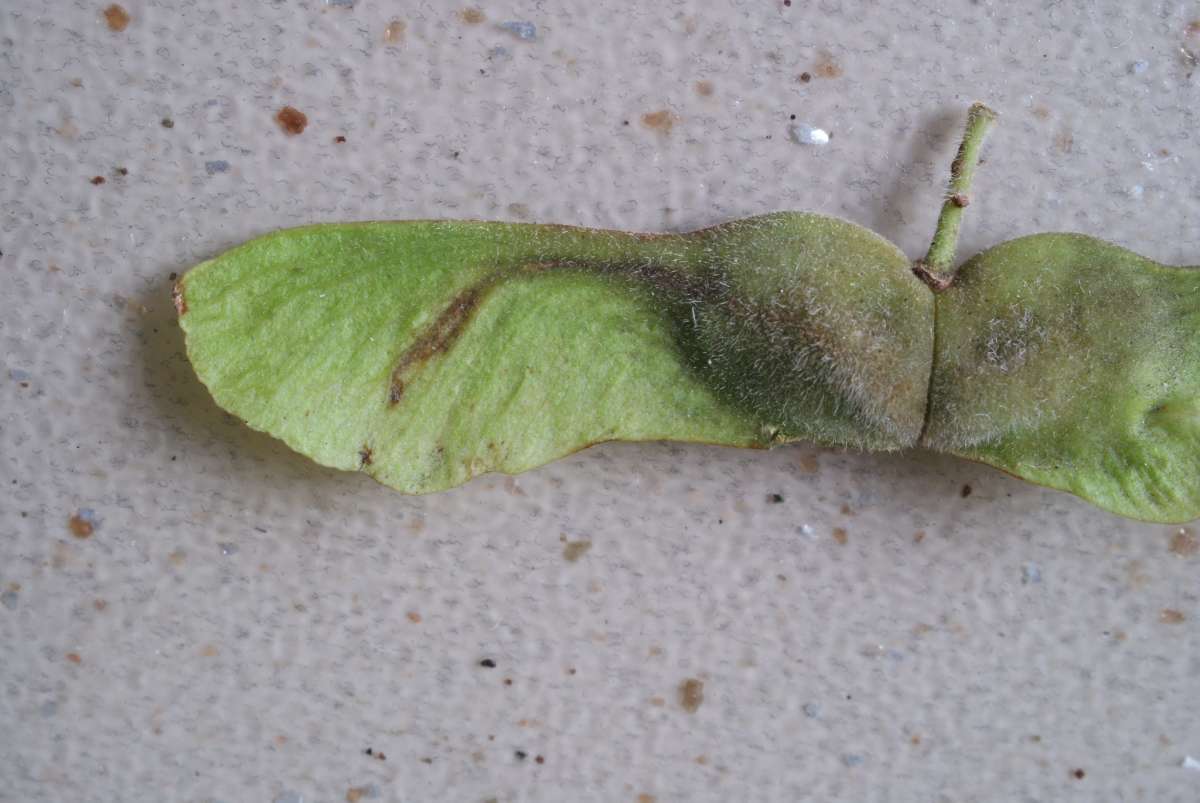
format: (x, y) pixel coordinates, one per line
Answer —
(425, 353)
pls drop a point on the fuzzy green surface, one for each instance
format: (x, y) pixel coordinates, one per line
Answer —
(1074, 363)
(820, 326)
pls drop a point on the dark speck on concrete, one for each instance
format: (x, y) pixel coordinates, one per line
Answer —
(966, 491)
(167, 122)
(691, 695)
(521, 755)
(488, 663)
(216, 166)
(775, 499)
(521, 29)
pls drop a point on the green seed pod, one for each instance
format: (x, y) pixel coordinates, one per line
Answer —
(818, 326)
(1074, 363)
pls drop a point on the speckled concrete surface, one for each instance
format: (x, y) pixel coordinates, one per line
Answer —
(189, 611)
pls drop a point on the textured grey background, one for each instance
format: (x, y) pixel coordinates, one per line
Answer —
(241, 625)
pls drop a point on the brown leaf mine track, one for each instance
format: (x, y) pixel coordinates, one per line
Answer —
(437, 339)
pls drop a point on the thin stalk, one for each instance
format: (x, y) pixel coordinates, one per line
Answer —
(935, 268)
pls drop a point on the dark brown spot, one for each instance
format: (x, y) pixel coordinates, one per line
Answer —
(488, 663)
(1078, 774)
(966, 491)
(364, 456)
(357, 793)
(177, 297)
(122, 171)
(436, 339)
(97, 180)
(167, 122)
(826, 67)
(540, 759)
(80, 527)
(847, 510)
(775, 499)
(116, 17)
(471, 16)
(1184, 543)
(74, 658)
(508, 681)
(1193, 28)
(661, 121)
(339, 139)
(918, 536)
(804, 77)
(704, 89)
(691, 695)
(291, 120)
(840, 535)
(414, 617)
